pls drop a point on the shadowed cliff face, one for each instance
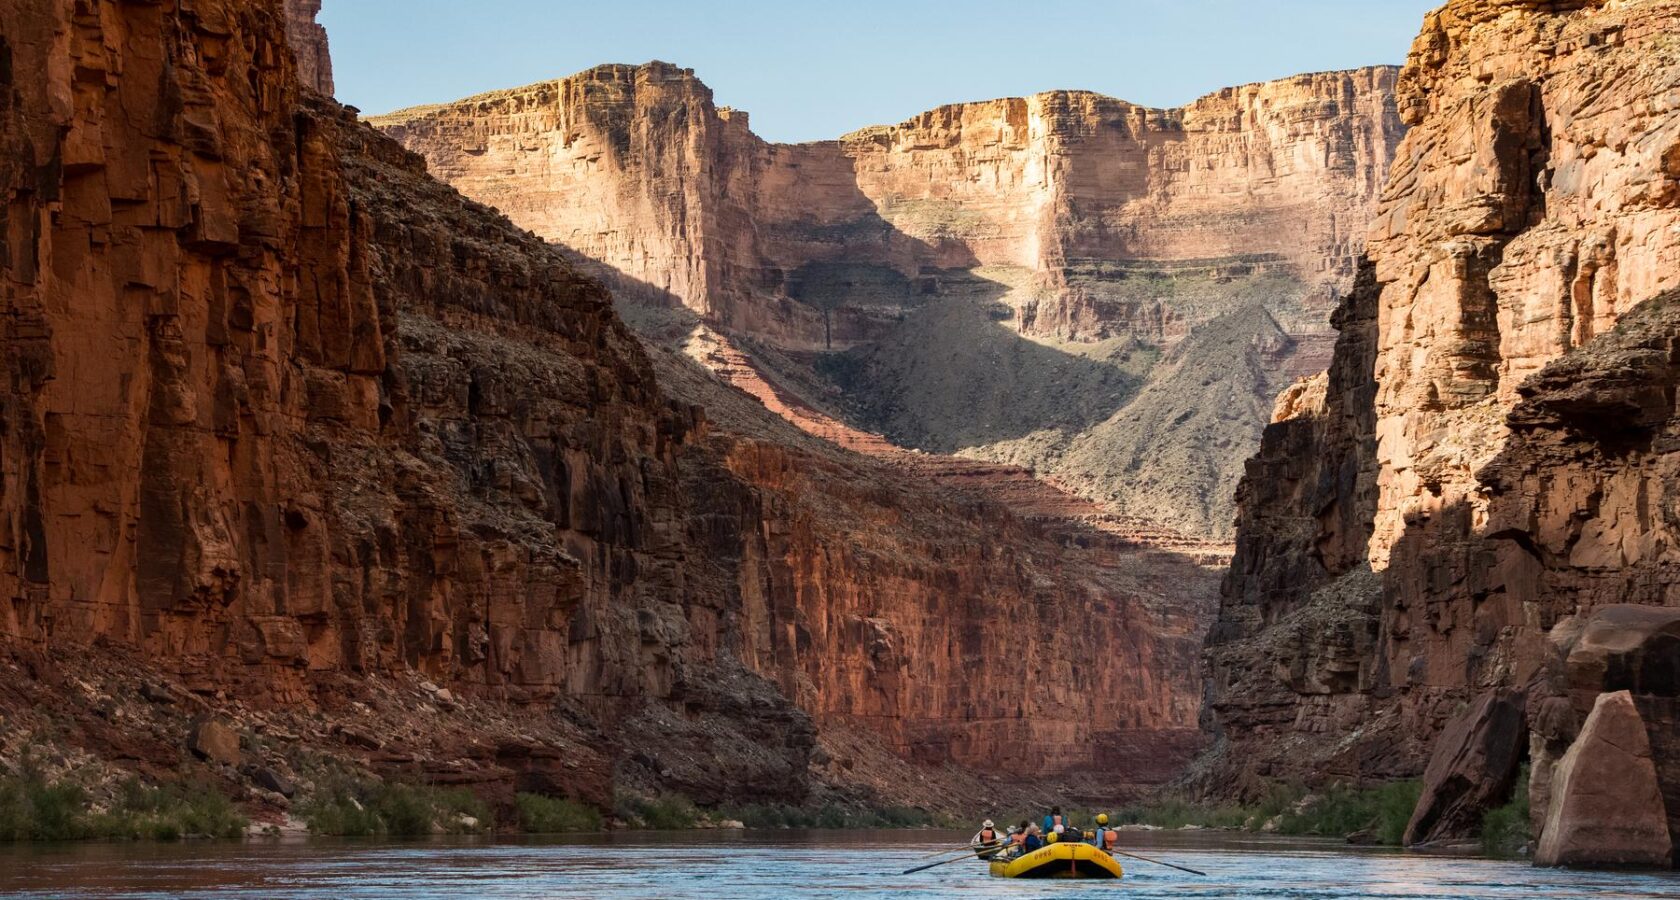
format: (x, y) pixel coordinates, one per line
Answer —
(286, 418)
(1499, 432)
(1024, 261)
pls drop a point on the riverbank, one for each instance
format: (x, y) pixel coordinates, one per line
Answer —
(120, 753)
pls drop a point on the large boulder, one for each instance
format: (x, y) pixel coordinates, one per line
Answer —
(213, 740)
(1620, 647)
(1473, 768)
(1606, 807)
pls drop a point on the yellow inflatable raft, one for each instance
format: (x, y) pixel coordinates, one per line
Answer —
(1059, 861)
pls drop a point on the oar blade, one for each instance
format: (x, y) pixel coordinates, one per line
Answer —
(1159, 863)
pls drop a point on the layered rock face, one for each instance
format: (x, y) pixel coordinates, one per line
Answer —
(1514, 405)
(996, 258)
(285, 416)
(309, 45)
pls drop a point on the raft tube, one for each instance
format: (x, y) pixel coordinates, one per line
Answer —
(1059, 861)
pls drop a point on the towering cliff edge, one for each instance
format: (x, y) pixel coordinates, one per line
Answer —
(1052, 281)
(1461, 535)
(309, 45)
(295, 435)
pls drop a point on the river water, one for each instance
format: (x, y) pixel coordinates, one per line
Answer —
(860, 866)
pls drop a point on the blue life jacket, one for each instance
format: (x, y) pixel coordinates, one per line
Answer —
(1033, 843)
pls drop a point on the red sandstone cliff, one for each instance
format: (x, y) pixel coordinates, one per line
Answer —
(1481, 482)
(287, 419)
(308, 40)
(1020, 280)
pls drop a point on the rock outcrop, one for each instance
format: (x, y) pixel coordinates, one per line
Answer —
(309, 45)
(1515, 415)
(1475, 764)
(1606, 808)
(1001, 276)
(290, 419)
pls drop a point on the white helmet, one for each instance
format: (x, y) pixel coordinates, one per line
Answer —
(1060, 829)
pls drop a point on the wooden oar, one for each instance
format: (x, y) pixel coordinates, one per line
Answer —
(970, 848)
(1159, 863)
(945, 862)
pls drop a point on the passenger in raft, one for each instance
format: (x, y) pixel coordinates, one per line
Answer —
(1033, 841)
(1053, 823)
(1103, 837)
(987, 836)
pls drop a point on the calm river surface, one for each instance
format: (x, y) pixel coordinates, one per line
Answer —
(765, 865)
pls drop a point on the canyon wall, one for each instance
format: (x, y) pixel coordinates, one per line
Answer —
(1483, 474)
(636, 168)
(999, 280)
(284, 416)
(308, 39)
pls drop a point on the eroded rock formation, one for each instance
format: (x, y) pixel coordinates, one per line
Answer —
(285, 417)
(1505, 433)
(1606, 807)
(309, 45)
(1005, 275)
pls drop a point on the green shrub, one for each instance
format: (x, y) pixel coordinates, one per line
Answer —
(553, 815)
(1174, 813)
(666, 812)
(34, 809)
(404, 810)
(1505, 829)
(1341, 811)
(360, 808)
(830, 816)
(341, 815)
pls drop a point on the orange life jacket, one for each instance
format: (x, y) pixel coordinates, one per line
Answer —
(1019, 838)
(1110, 839)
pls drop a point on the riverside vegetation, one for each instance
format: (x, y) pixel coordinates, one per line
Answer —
(36, 808)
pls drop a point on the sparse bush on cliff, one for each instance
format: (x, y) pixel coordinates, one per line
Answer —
(351, 808)
(1505, 829)
(554, 815)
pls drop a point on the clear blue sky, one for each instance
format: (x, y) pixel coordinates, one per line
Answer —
(807, 69)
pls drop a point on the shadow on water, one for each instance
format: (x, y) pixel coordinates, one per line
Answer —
(767, 865)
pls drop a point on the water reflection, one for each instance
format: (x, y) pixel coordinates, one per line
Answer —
(861, 866)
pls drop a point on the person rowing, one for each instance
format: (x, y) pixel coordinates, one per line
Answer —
(987, 838)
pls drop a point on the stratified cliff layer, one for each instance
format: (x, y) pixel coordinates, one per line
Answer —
(996, 279)
(309, 45)
(1493, 437)
(291, 422)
